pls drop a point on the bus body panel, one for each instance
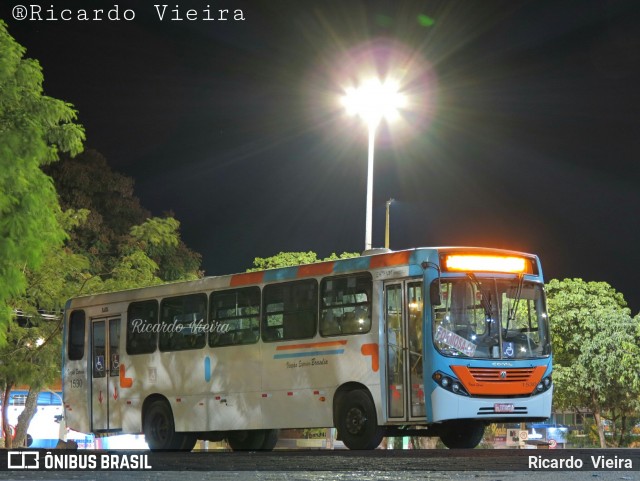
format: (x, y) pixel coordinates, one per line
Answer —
(312, 370)
(76, 387)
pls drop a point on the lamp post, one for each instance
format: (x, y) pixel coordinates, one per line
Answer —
(373, 101)
(386, 230)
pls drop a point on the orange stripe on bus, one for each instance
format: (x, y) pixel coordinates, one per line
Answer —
(247, 278)
(125, 382)
(319, 269)
(388, 260)
(371, 350)
(312, 344)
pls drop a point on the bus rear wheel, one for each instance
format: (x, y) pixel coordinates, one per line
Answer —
(251, 440)
(188, 442)
(159, 429)
(462, 434)
(357, 422)
(270, 439)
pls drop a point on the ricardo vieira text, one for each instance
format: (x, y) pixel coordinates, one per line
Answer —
(117, 13)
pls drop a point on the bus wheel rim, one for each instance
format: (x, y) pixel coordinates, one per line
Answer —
(355, 420)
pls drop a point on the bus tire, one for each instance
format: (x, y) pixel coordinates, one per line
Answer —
(270, 439)
(357, 422)
(249, 440)
(188, 442)
(462, 434)
(159, 428)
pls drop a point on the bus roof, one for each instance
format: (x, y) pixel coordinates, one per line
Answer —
(367, 261)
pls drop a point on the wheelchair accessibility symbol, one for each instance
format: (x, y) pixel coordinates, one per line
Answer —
(99, 363)
(115, 362)
(508, 349)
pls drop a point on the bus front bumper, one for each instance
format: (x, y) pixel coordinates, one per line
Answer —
(446, 405)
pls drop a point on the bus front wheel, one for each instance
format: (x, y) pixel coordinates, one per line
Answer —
(462, 434)
(357, 422)
(159, 428)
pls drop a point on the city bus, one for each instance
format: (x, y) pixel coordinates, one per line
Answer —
(421, 342)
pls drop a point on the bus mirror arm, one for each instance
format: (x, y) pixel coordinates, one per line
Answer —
(434, 291)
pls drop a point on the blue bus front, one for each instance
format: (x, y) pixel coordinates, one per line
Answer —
(488, 350)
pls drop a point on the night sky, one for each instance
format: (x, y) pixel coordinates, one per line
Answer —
(521, 131)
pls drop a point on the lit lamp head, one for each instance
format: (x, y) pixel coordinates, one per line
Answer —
(374, 100)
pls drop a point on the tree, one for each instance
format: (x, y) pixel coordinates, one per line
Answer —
(33, 129)
(88, 182)
(31, 356)
(162, 243)
(118, 247)
(288, 259)
(137, 265)
(596, 351)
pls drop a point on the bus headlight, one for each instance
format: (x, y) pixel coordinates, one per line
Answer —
(449, 383)
(543, 386)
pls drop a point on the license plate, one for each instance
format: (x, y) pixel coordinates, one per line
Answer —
(503, 408)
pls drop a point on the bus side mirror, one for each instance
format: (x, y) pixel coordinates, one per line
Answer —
(434, 294)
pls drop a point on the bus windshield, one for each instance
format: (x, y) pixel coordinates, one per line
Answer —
(487, 318)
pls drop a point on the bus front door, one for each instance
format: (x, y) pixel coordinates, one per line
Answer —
(403, 327)
(105, 359)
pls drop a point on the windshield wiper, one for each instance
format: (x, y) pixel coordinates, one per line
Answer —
(490, 338)
(511, 316)
(486, 303)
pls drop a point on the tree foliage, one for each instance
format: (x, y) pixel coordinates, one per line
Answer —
(33, 129)
(596, 351)
(117, 221)
(88, 182)
(288, 259)
(31, 356)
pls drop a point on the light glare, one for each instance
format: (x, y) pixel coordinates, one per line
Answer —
(375, 100)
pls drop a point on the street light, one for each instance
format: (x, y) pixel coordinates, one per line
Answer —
(386, 230)
(373, 101)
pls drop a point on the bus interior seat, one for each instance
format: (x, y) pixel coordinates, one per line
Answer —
(225, 339)
(272, 334)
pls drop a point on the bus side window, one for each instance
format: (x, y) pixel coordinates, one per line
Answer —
(76, 335)
(345, 305)
(234, 317)
(182, 322)
(142, 332)
(290, 310)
